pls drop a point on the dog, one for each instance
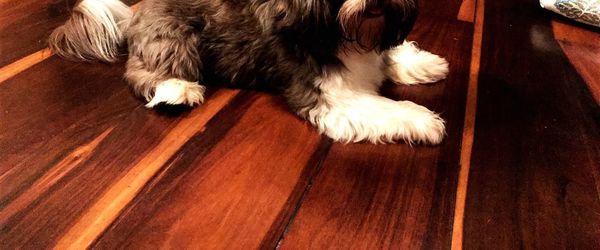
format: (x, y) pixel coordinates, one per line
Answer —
(328, 58)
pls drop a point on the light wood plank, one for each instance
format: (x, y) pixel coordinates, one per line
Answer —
(23, 64)
(468, 130)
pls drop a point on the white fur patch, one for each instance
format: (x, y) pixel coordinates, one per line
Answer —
(176, 91)
(407, 64)
(107, 20)
(352, 110)
(363, 71)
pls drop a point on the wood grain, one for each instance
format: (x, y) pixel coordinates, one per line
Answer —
(78, 103)
(50, 178)
(109, 205)
(534, 172)
(581, 44)
(394, 196)
(227, 186)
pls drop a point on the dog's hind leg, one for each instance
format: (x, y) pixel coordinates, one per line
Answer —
(164, 63)
(407, 64)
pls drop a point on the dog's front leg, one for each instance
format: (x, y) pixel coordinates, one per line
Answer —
(345, 105)
(164, 63)
(407, 64)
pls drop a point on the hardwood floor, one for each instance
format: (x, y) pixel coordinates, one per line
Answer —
(84, 165)
(535, 164)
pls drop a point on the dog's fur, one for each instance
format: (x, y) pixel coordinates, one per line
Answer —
(327, 57)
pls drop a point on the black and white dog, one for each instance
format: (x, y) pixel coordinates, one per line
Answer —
(327, 57)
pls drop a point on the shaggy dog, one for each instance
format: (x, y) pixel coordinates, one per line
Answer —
(327, 57)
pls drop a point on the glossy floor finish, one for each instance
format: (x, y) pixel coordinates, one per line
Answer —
(84, 164)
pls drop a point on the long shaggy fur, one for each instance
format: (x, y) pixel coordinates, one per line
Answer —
(327, 57)
(95, 31)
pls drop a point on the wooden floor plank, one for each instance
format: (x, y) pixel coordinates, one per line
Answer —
(534, 171)
(84, 164)
(394, 196)
(442, 10)
(23, 64)
(25, 25)
(49, 173)
(581, 44)
(97, 218)
(467, 11)
(468, 127)
(77, 102)
(227, 195)
(586, 59)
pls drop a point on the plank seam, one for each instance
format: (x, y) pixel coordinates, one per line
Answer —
(326, 146)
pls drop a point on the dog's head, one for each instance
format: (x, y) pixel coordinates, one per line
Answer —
(362, 24)
(376, 24)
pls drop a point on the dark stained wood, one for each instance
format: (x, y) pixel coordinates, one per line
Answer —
(64, 106)
(394, 196)
(586, 59)
(440, 10)
(55, 95)
(581, 44)
(25, 25)
(226, 187)
(535, 166)
(75, 130)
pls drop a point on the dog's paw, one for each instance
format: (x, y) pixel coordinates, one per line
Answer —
(176, 92)
(422, 125)
(407, 64)
(379, 120)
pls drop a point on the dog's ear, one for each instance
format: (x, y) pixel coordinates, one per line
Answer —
(403, 13)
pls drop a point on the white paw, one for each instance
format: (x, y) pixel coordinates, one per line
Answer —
(407, 64)
(377, 120)
(176, 91)
(423, 125)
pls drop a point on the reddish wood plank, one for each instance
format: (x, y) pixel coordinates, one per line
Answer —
(231, 194)
(45, 116)
(534, 178)
(23, 64)
(581, 44)
(467, 11)
(49, 173)
(108, 206)
(440, 10)
(468, 128)
(76, 104)
(586, 59)
(566, 30)
(394, 196)
(25, 25)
